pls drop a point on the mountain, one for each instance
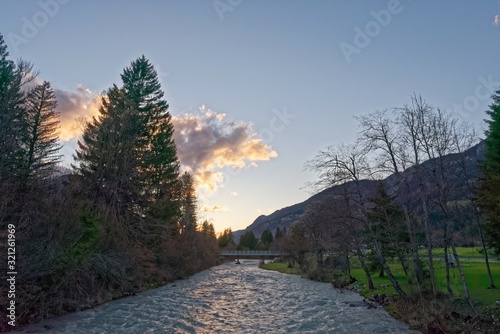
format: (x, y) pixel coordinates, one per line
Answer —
(284, 217)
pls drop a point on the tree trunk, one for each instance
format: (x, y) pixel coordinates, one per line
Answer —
(347, 264)
(365, 268)
(428, 235)
(448, 283)
(319, 258)
(419, 273)
(391, 277)
(483, 243)
(462, 276)
(447, 263)
(403, 264)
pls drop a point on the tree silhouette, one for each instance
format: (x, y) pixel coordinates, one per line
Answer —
(489, 189)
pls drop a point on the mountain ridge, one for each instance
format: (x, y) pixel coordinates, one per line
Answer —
(285, 216)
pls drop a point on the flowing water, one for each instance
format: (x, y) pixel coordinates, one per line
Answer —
(231, 298)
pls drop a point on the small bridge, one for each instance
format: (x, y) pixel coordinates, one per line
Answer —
(250, 254)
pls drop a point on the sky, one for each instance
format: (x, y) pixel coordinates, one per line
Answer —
(256, 87)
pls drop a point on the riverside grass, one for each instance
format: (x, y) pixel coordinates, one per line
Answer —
(474, 270)
(483, 298)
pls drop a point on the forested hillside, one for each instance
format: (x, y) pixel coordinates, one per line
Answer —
(283, 218)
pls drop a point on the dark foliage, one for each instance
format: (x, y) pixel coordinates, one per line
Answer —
(124, 220)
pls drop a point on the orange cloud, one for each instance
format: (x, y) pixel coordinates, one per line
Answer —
(74, 107)
(214, 208)
(207, 143)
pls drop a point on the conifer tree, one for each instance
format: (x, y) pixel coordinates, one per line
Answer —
(156, 146)
(12, 124)
(248, 240)
(208, 230)
(127, 153)
(226, 238)
(266, 237)
(386, 227)
(106, 154)
(489, 188)
(188, 205)
(41, 138)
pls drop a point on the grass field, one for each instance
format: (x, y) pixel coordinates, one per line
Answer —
(461, 251)
(476, 277)
(474, 270)
(281, 267)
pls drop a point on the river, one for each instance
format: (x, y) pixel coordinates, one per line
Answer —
(231, 298)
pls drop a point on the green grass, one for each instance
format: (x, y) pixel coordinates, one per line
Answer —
(474, 270)
(281, 267)
(461, 251)
(476, 277)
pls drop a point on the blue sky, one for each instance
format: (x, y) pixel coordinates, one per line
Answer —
(254, 60)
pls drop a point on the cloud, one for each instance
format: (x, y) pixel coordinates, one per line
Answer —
(214, 208)
(496, 20)
(207, 143)
(75, 106)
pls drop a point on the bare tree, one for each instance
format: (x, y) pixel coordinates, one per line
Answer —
(436, 135)
(412, 122)
(345, 165)
(464, 136)
(295, 243)
(381, 135)
(329, 232)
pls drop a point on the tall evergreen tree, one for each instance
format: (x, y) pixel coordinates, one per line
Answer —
(226, 238)
(208, 229)
(106, 155)
(248, 240)
(188, 203)
(41, 142)
(127, 153)
(156, 145)
(386, 229)
(266, 237)
(12, 121)
(489, 188)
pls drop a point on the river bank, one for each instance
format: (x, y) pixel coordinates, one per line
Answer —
(103, 297)
(420, 311)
